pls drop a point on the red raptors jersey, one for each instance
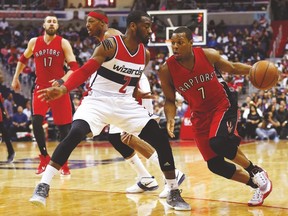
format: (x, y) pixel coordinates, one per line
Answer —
(200, 86)
(49, 60)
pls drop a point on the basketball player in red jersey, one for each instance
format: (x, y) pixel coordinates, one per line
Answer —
(195, 74)
(97, 27)
(50, 52)
(119, 62)
(5, 133)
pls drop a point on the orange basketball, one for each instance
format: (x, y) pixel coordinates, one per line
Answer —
(264, 75)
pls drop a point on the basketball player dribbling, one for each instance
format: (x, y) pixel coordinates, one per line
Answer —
(196, 74)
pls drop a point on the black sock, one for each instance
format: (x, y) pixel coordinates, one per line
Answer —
(250, 168)
(251, 183)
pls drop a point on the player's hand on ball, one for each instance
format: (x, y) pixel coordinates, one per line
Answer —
(170, 128)
(51, 93)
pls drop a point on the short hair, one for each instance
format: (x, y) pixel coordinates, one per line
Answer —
(50, 15)
(135, 16)
(185, 30)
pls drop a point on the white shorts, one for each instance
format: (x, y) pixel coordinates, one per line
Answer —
(122, 112)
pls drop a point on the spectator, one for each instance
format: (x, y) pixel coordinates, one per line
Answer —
(4, 24)
(282, 116)
(9, 109)
(253, 119)
(27, 111)
(265, 129)
(19, 122)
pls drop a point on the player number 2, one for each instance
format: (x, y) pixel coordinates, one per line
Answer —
(127, 81)
(48, 62)
(202, 91)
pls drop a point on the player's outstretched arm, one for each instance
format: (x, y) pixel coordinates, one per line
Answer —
(51, 93)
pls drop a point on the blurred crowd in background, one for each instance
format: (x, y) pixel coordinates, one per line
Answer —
(246, 44)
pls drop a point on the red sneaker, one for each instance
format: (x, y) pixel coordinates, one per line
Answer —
(65, 171)
(44, 161)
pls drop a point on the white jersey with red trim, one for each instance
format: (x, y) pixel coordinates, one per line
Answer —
(119, 75)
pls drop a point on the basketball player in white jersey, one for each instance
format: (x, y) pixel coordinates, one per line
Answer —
(119, 62)
(97, 27)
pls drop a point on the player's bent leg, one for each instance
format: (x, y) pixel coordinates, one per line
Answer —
(79, 130)
(145, 181)
(147, 151)
(61, 154)
(152, 134)
(221, 167)
(221, 146)
(138, 144)
(123, 149)
(63, 132)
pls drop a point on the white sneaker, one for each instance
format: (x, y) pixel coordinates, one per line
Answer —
(265, 185)
(180, 177)
(145, 184)
(257, 199)
(264, 188)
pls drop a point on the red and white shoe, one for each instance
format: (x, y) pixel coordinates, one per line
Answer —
(264, 188)
(65, 171)
(44, 161)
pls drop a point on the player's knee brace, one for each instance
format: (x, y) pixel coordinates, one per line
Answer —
(64, 130)
(221, 167)
(222, 147)
(37, 121)
(79, 130)
(123, 149)
(152, 134)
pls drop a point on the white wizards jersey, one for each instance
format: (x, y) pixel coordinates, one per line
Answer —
(120, 75)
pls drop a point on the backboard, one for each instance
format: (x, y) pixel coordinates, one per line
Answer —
(165, 22)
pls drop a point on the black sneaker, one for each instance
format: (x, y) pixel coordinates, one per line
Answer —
(40, 194)
(11, 157)
(175, 201)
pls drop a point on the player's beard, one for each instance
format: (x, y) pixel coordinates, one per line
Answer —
(143, 39)
(50, 32)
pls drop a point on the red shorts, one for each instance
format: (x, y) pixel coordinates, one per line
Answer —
(219, 122)
(61, 108)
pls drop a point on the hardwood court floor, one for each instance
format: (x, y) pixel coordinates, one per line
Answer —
(100, 176)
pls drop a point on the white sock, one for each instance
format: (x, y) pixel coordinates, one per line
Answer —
(48, 174)
(138, 166)
(154, 159)
(172, 184)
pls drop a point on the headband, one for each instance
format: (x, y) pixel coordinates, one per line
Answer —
(99, 16)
